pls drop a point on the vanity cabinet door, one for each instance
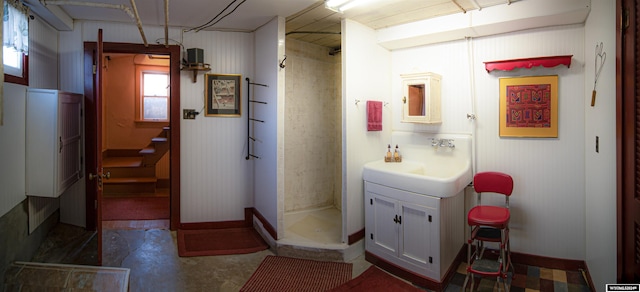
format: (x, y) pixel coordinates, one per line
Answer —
(382, 230)
(416, 236)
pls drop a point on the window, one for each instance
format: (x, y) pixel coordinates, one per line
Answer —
(153, 94)
(15, 42)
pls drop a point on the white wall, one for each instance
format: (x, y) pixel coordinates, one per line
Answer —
(366, 69)
(269, 145)
(12, 148)
(600, 168)
(548, 200)
(216, 183)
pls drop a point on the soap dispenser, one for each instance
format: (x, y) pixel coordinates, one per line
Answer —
(396, 155)
(388, 157)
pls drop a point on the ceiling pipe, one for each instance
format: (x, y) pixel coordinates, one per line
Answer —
(166, 23)
(138, 22)
(127, 10)
(456, 3)
(475, 3)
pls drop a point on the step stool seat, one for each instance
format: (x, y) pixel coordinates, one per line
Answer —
(494, 216)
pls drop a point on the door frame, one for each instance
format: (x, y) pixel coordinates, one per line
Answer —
(174, 124)
(626, 135)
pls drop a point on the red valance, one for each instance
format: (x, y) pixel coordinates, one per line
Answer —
(508, 65)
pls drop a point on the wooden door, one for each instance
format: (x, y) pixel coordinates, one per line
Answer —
(93, 141)
(628, 137)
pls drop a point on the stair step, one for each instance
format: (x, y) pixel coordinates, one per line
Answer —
(122, 162)
(149, 171)
(158, 139)
(129, 180)
(148, 150)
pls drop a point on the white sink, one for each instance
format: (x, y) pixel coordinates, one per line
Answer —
(439, 179)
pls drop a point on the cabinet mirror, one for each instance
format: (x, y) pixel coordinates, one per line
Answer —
(421, 98)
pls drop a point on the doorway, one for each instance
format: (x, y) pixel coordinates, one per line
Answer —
(172, 132)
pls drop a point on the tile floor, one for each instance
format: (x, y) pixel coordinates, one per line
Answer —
(151, 255)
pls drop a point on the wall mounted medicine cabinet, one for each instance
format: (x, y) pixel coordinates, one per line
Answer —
(421, 98)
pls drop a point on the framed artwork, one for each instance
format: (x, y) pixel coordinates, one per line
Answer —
(529, 107)
(222, 95)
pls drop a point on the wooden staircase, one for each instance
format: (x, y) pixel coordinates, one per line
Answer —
(133, 171)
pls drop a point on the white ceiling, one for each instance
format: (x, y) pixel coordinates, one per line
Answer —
(307, 20)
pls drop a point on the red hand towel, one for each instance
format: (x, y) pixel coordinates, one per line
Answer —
(374, 115)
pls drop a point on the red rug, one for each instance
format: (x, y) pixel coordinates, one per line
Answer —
(374, 279)
(139, 208)
(291, 274)
(207, 242)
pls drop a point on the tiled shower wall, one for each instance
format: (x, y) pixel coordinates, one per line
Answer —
(312, 127)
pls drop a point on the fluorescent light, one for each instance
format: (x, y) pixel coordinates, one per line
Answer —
(343, 5)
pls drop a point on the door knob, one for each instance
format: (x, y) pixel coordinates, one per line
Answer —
(105, 175)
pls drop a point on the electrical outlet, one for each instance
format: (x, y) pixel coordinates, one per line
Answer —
(189, 114)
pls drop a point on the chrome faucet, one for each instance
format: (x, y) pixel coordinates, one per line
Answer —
(442, 143)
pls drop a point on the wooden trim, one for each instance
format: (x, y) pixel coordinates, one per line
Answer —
(547, 262)
(247, 222)
(24, 80)
(621, 49)
(548, 62)
(214, 225)
(355, 237)
(265, 223)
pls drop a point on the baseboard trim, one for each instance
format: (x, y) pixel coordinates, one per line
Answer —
(553, 263)
(355, 237)
(547, 262)
(267, 226)
(247, 222)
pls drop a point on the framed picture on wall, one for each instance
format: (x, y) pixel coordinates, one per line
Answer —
(222, 95)
(529, 107)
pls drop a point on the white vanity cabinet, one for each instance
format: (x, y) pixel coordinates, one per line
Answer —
(54, 141)
(416, 232)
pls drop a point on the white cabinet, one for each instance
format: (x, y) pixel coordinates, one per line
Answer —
(54, 141)
(411, 230)
(421, 98)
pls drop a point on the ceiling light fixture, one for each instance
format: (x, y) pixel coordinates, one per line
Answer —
(343, 5)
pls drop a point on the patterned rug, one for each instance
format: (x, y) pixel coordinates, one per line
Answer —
(277, 273)
(207, 242)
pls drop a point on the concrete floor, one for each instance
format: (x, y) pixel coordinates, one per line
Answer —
(152, 257)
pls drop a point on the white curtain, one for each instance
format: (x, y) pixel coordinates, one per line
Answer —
(16, 26)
